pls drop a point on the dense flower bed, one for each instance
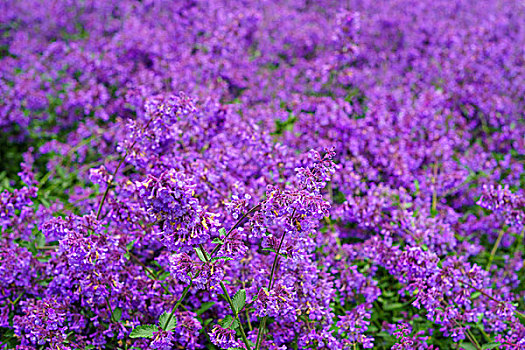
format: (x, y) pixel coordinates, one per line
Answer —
(262, 174)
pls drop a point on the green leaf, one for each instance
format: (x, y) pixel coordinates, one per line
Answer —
(40, 239)
(225, 258)
(222, 231)
(144, 331)
(491, 345)
(393, 306)
(163, 276)
(467, 346)
(269, 249)
(200, 254)
(229, 322)
(129, 246)
(217, 241)
(89, 347)
(204, 307)
(163, 322)
(239, 299)
(117, 314)
(475, 295)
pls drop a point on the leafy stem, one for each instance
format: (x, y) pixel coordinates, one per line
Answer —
(108, 184)
(236, 315)
(183, 295)
(237, 224)
(230, 302)
(492, 298)
(260, 336)
(213, 252)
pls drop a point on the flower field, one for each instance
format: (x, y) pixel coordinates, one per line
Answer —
(262, 174)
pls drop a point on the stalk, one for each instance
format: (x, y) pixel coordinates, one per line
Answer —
(230, 302)
(213, 252)
(237, 224)
(236, 315)
(260, 336)
(108, 184)
(494, 249)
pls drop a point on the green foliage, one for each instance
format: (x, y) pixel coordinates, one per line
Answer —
(117, 314)
(217, 258)
(204, 307)
(143, 331)
(239, 300)
(217, 241)
(229, 322)
(201, 256)
(164, 324)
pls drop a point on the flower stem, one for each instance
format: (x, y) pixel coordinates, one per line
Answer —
(494, 249)
(246, 311)
(260, 336)
(472, 339)
(215, 250)
(230, 302)
(492, 298)
(236, 315)
(108, 184)
(237, 224)
(183, 295)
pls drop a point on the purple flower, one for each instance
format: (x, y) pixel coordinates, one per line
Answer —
(224, 338)
(162, 340)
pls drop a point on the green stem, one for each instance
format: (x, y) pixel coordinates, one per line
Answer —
(183, 295)
(260, 336)
(186, 290)
(494, 249)
(433, 210)
(230, 302)
(492, 298)
(237, 224)
(487, 337)
(108, 184)
(274, 265)
(246, 311)
(236, 315)
(110, 311)
(472, 339)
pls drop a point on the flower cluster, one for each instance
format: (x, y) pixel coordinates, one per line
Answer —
(170, 200)
(507, 204)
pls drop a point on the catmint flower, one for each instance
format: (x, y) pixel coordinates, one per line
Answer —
(273, 303)
(223, 338)
(502, 201)
(44, 322)
(162, 340)
(170, 200)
